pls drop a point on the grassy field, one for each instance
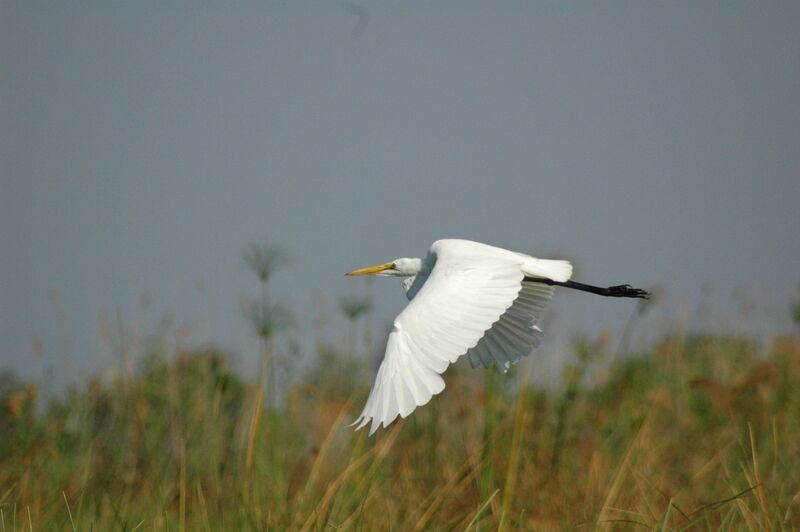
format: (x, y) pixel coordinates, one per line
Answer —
(701, 433)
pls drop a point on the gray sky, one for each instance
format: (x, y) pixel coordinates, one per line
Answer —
(143, 147)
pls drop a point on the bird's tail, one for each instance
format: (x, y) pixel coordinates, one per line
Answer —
(555, 270)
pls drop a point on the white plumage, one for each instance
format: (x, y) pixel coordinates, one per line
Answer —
(468, 299)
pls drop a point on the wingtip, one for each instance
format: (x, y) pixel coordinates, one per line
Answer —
(362, 421)
(374, 427)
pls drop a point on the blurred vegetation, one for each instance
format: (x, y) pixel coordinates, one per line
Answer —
(701, 433)
(266, 317)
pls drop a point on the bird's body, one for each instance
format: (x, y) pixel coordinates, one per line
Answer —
(466, 298)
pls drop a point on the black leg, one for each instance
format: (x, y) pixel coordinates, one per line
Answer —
(623, 290)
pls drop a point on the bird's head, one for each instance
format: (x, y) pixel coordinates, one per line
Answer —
(403, 267)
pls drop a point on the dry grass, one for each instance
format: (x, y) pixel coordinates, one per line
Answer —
(703, 433)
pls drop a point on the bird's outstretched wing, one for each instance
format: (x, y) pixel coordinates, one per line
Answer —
(470, 287)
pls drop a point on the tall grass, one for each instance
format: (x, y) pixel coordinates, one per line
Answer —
(701, 433)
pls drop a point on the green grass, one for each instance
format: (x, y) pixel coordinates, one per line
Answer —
(701, 433)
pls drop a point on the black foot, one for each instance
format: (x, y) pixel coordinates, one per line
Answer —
(626, 290)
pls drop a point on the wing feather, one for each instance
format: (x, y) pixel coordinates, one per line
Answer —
(520, 321)
(496, 350)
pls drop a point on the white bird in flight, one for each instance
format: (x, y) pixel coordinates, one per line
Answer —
(466, 298)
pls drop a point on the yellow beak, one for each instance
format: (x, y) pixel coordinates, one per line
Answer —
(372, 270)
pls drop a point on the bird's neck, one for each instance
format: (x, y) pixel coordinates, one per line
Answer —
(415, 266)
(407, 267)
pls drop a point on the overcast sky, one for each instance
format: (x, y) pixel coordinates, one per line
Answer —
(143, 147)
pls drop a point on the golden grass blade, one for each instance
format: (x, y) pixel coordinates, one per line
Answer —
(774, 445)
(760, 495)
(201, 499)
(747, 514)
(629, 512)
(481, 509)
(182, 489)
(787, 517)
(71, 521)
(253, 429)
(665, 521)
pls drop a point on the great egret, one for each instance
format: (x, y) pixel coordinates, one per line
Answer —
(466, 298)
